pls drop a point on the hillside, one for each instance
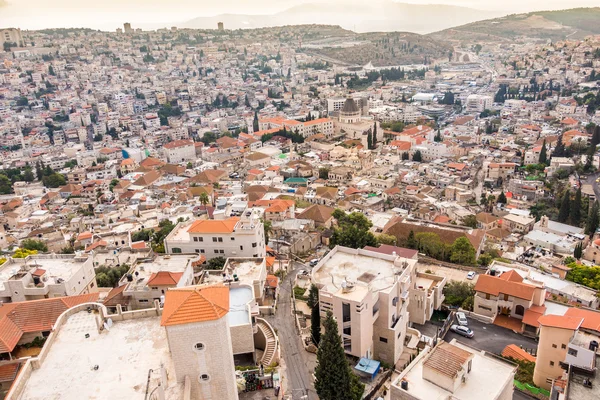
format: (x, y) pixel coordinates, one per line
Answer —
(382, 49)
(375, 15)
(543, 25)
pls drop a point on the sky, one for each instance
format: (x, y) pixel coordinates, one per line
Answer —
(150, 14)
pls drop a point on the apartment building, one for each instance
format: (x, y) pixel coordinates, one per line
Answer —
(518, 223)
(372, 295)
(46, 276)
(499, 170)
(233, 237)
(306, 129)
(179, 151)
(455, 371)
(478, 103)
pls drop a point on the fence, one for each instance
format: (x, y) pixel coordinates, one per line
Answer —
(530, 389)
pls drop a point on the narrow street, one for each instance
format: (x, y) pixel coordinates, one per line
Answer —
(299, 364)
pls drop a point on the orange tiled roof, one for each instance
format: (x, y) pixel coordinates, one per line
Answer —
(591, 319)
(272, 281)
(195, 305)
(164, 278)
(517, 353)
(533, 314)
(214, 226)
(561, 321)
(494, 285)
(34, 316)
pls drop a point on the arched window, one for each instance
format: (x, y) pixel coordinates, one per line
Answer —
(199, 346)
(519, 310)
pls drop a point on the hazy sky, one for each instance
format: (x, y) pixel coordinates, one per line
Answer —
(109, 14)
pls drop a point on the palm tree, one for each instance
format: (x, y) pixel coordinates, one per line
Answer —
(204, 199)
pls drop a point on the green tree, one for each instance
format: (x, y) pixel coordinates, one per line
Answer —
(383, 238)
(28, 176)
(352, 230)
(576, 209)
(462, 252)
(431, 244)
(315, 314)
(593, 219)
(268, 227)
(32, 244)
(411, 241)
(543, 159)
(374, 142)
(323, 173)
(54, 180)
(113, 183)
(5, 185)
(369, 140)
(405, 156)
(578, 252)
(255, 125)
(458, 293)
(216, 263)
(333, 376)
(470, 221)
(141, 235)
(565, 207)
(204, 199)
(417, 156)
(501, 198)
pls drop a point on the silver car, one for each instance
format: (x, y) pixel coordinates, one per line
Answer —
(462, 330)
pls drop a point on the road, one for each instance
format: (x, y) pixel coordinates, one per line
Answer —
(299, 364)
(591, 179)
(491, 338)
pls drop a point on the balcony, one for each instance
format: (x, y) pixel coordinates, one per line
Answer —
(395, 321)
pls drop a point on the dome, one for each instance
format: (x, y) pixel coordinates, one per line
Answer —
(350, 106)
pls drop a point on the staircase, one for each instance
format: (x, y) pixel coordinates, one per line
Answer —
(270, 351)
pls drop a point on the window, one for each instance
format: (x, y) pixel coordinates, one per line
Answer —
(382, 339)
(505, 297)
(487, 296)
(214, 239)
(347, 331)
(572, 352)
(142, 301)
(92, 284)
(204, 378)
(176, 250)
(519, 310)
(552, 363)
(222, 251)
(220, 239)
(563, 346)
(554, 346)
(199, 346)
(197, 250)
(254, 244)
(241, 247)
(201, 239)
(154, 287)
(232, 238)
(195, 239)
(216, 251)
(201, 251)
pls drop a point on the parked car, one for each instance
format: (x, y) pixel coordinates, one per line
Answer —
(471, 275)
(313, 262)
(461, 318)
(462, 330)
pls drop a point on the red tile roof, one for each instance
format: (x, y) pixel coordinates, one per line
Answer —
(164, 278)
(34, 316)
(517, 353)
(591, 319)
(494, 285)
(195, 305)
(560, 321)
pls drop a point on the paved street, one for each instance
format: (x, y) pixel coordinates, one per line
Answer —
(491, 338)
(299, 363)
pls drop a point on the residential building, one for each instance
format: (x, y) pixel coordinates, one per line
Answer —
(180, 151)
(518, 223)
(232, 237)
(455, 371)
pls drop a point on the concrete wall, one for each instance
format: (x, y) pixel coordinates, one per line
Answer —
(215, 360)
(546, 353)
(242, 339)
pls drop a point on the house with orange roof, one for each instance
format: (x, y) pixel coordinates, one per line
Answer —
(232, 237)
(277, 209)
(507, 297)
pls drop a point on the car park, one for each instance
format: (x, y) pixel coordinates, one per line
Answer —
(462, 330)
(461, 318)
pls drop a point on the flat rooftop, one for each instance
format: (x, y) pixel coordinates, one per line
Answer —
(57, 266)
(143, 269)
(487, 378)
(124, 355)
(247, 270)
(361, 267)
(578, 391)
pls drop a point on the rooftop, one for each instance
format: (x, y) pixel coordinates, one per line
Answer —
(144, 269)
(578, 391)
(365, 268)
(56, 266)
(136, 346)
(488, 377)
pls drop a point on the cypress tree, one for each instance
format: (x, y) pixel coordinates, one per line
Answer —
(417, 156)
(543, 156)
(333, 376)
(502, 198)
(369, 140)
(411, 241)
(374, 143)
(559, 150)
(593, 220)
(595, 137)
(255, 122)
(578, 252)
(315, 316)
(576, 209)
(565, 207)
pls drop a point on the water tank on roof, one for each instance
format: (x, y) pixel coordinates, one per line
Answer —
(593, 345)
(404, 385)
(129, 278)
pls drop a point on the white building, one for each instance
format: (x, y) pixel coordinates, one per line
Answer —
(478, 103)
(180, 151)
(48, 275)
(233, 237)
(455, 371)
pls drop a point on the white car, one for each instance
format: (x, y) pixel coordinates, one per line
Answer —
(461, 318)
(313, 262)
(471, 275)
